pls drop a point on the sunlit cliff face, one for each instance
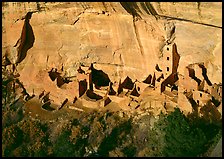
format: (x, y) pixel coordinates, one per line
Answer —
(121, 39)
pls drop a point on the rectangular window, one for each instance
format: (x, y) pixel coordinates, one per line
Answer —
(200, 94)
(167, 68)
(167, 58)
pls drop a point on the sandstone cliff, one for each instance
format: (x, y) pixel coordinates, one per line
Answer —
(123, 39)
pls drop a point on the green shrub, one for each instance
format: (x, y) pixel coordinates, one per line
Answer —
(183, 136)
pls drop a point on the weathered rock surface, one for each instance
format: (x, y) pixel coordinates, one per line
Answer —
(175, 48)
(123, 39)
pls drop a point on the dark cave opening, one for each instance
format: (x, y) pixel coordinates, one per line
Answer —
(99, 78)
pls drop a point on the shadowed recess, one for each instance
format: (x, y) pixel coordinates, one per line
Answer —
(75, 99)
(148, 79)
(46, 98)
(171, 79)
(151, 8)
(111, 90)
(99, 78)
(145, 8)
(41, 94)
(26, 40)
(204, 74)
(120, 89)
(215, 101)
(82, 87)
(160, 77)
(176, 58)
(47, 106)
(60, 81)
(131, 8)
(135, 92)
(53, 74)
(192, 75)
(157, 68)
(210, 112)
(93, 95)
(154, 80)
(127, 83)
(174, 87)
(107, 101)
(192, 101)
(63, 104)
(81, 71)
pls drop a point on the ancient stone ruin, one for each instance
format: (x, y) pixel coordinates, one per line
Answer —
(120, 55)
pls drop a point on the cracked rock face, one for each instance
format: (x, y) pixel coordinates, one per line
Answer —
(123, 39)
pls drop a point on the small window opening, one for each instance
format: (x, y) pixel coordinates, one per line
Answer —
(167, 58)
(198, 102)
(167, 68)
(167, 49)
(200, 94)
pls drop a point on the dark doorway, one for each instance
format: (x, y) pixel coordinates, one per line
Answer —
(82, 87)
